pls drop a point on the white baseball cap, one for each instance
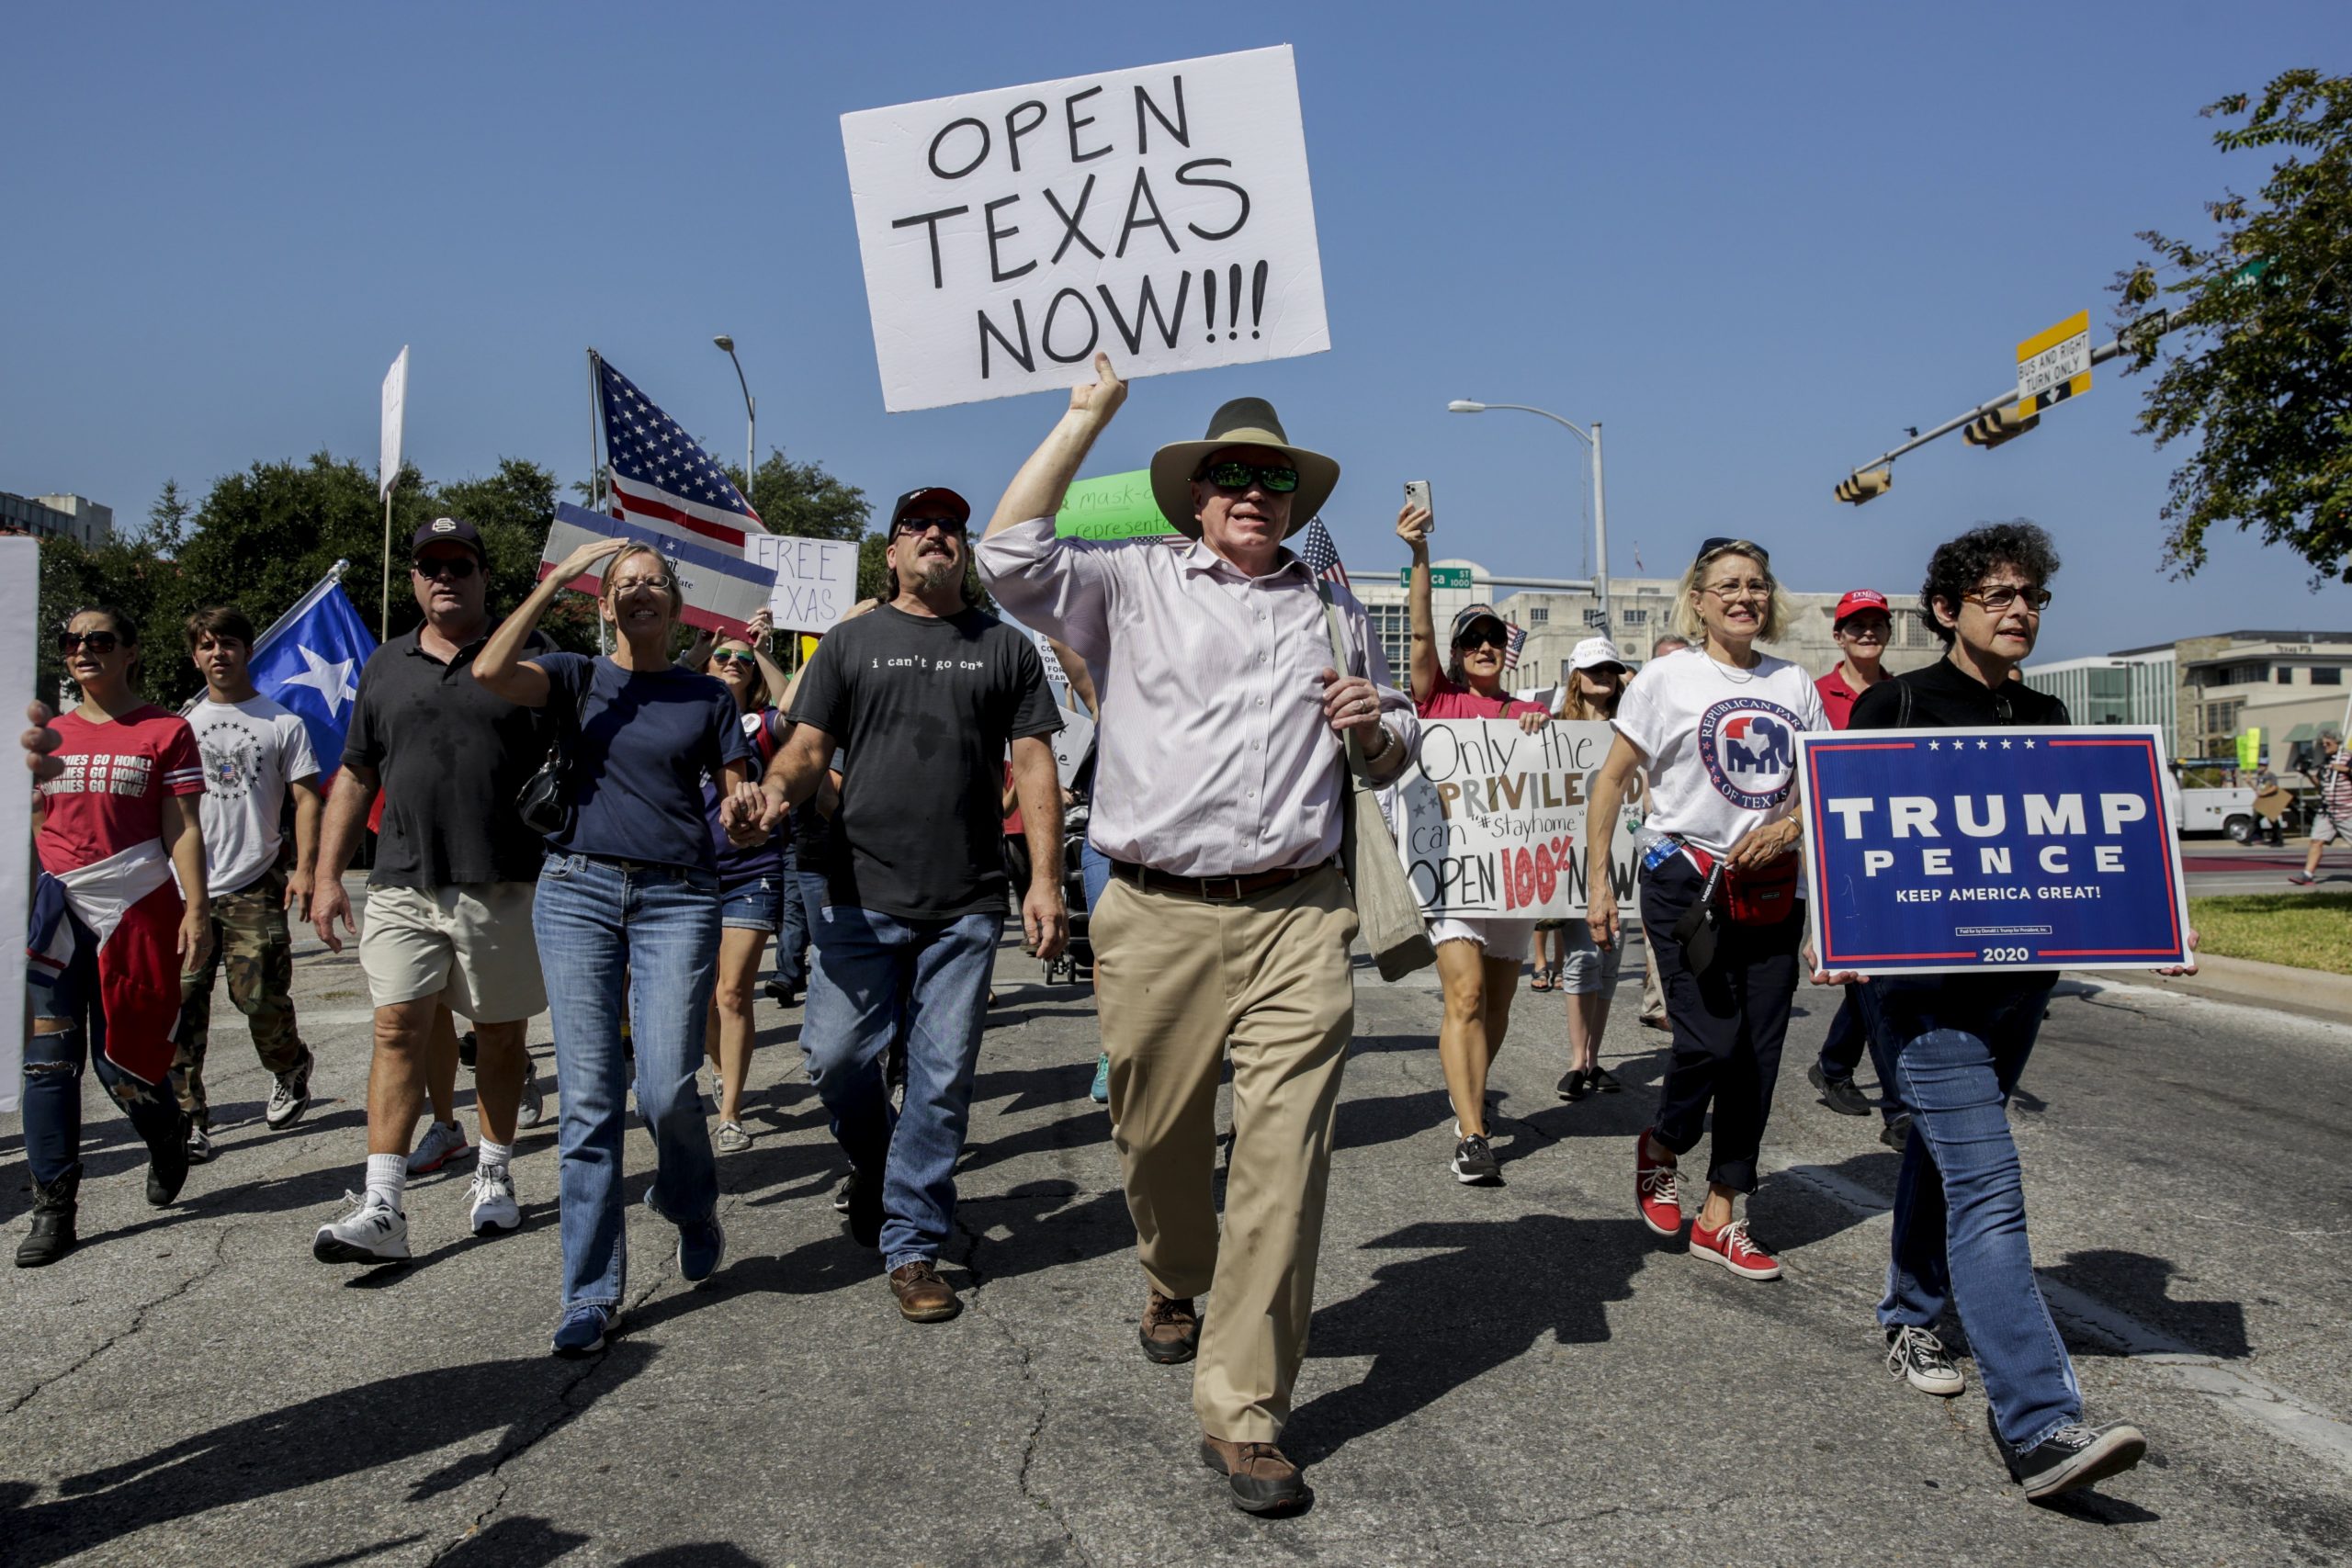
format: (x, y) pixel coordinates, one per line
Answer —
(1595, 651)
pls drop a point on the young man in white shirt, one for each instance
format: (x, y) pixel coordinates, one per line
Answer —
(254, 751)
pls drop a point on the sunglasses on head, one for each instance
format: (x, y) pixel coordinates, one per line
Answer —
(456, 568)
(97, 642)
(1718, 544)
(1276, 481)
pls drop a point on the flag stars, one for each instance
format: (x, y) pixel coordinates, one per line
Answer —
(1984, 745)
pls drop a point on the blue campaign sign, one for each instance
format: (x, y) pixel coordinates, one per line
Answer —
(1935, 851)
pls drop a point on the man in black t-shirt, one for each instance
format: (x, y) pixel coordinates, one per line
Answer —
(928, 692)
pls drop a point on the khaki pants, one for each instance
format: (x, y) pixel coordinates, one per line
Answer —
(1177, 979)
(1653, 989)
(250, 940)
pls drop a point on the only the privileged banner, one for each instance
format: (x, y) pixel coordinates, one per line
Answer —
(1936, 850)
(1162, 215)
(1490, 820)
(721, 590)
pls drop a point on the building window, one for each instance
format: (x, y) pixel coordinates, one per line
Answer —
(1538, 616)
(2327, 675)
(2284, 675)
(1635, 618)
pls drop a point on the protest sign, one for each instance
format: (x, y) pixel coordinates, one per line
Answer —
(1489, 820)
(721, 590)
(1116, 506)
(1071, 742)
(1161, 215)
(20, 608)
(1940, 850)
(816, 580)
(389, 434)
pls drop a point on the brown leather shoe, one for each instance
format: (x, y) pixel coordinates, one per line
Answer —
(1263, 1481)
(923, 1296)
(1170, 1330)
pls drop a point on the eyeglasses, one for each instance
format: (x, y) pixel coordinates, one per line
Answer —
(456, 568)
(1718, 544)
(1241, 475)
(97, 642)
(919, 525)
(733, 656)
(1730, 591)
(2002, 600)
(623, 584)
(1873, 629)
(1478, 638)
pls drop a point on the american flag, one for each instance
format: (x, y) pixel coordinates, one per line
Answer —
(1517, 639)
(1321, 556)
(660, 478)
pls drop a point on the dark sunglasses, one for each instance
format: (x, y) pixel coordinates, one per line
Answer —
(1476, 637)
(726, 656)
(919, 525)
(456, 568)
(97, 642)
(1746, 546)
(1241, 475)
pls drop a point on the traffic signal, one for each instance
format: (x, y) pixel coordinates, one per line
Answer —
(1865, 485)
(1989, 431)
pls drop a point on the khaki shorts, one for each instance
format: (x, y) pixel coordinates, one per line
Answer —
(469, 944)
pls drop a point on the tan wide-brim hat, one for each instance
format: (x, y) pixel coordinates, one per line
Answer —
(1244, 422)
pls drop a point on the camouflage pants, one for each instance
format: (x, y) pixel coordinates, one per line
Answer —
(249, 936)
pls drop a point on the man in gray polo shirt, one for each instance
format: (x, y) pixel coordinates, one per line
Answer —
(448, 918)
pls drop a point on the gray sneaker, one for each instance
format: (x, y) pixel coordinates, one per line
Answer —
(1474, 1163)
(374, 1232)
(494, 1208)
(289, 1098)
(2075, 1455)
(1918, 1357)
(530, 1110)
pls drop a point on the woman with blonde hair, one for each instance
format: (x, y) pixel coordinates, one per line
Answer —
(1712, 732)
(1596, 675)
(627, 899)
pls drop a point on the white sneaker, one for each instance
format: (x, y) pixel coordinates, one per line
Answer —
(493, 1199)
(442, 1142)
(530, 1110)
(374, 1232)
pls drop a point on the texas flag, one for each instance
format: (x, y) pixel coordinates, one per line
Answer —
(310, 661)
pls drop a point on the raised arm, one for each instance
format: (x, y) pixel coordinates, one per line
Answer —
(499, 667)
(1038, 489)
(1421, 664)
(1081, 679)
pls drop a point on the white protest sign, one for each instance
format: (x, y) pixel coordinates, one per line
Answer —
(1161, 214)
(20, 608)
(1490, 820)
(1052, 661)
(816, 580)
(388, 449)
(1071, 743)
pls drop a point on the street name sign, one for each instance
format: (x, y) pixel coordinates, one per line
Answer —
(2056, 364)
(1439, 576)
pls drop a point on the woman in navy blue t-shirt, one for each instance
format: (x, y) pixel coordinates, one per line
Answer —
(751, 881)
(627, 913)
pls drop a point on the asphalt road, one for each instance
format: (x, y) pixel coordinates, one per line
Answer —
(2216, 866)
(1497, 1375)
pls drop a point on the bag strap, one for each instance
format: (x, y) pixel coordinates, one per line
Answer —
(1357, 767)
(1903, 703)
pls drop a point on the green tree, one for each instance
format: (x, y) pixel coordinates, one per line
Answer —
(513, 508)
(2258, 365)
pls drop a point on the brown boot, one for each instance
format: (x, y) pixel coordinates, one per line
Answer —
(1170, 1331)
(1263, 1481)
(923, 1296)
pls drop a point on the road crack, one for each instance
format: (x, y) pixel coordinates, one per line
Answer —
(138, 1321)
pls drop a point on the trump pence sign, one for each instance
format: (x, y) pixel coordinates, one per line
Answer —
(1161, 215)
(1938, 850)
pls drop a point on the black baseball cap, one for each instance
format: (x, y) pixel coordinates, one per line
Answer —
(962, 508)
(448, 531)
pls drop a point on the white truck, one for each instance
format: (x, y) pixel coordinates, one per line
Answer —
(2216, 810)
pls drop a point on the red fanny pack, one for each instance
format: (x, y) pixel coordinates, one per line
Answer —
(1757, 895)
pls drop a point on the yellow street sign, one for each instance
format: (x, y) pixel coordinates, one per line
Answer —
(2054, 366)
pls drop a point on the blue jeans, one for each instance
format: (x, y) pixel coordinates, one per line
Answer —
(53, 1062)
(1093, 873)
(874, 974)
(1959, 1045)
(1855, 1030)
(605, 928)
(792, 932)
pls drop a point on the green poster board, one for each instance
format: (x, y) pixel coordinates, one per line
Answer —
(1116, 506)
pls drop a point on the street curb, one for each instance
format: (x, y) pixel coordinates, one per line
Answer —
(2281, 988)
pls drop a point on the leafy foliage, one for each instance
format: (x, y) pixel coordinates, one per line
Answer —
(2258, 365)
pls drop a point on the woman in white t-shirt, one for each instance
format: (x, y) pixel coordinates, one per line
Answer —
(1713, 730)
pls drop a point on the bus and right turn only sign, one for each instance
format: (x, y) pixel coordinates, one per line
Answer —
(2056, 364)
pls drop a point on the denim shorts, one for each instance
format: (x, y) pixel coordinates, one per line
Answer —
(1583, 967)
(754, 904)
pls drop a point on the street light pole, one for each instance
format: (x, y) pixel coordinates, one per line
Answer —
(1599, 510)
(751, 416)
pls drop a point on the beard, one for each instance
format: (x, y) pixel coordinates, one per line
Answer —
(931, 573)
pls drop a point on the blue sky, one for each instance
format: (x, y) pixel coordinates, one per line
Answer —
(1753, 241)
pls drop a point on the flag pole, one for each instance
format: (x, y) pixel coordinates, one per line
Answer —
(599, 492)
(384, 611)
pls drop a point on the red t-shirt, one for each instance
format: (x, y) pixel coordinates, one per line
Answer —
(110, 795)
(1837, 697)
(1447, 700)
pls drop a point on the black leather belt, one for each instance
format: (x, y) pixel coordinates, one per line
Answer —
(1212, 889)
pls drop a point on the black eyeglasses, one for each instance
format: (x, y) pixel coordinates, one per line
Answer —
(2001, 600)
(97, 642)
(926, 524)
(1718, 544)
(456, 568)
(1276, 481)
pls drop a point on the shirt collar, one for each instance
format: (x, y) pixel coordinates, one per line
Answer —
(1197, 558)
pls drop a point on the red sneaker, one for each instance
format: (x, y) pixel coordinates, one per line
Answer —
(1656, 1191)
(1731, 1248)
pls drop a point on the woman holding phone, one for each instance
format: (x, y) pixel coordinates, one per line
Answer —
(1712, 730)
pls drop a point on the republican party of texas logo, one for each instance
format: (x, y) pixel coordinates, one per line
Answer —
(1751, 750)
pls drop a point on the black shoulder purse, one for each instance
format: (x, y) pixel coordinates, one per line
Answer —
(544, 803)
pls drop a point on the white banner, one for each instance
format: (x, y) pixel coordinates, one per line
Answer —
(1490, 820)
(816, 580)
(1071, 743)
(20, 608)
(1161, 215)
(387, 450)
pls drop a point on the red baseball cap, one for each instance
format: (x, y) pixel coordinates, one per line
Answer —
(1855, 603)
